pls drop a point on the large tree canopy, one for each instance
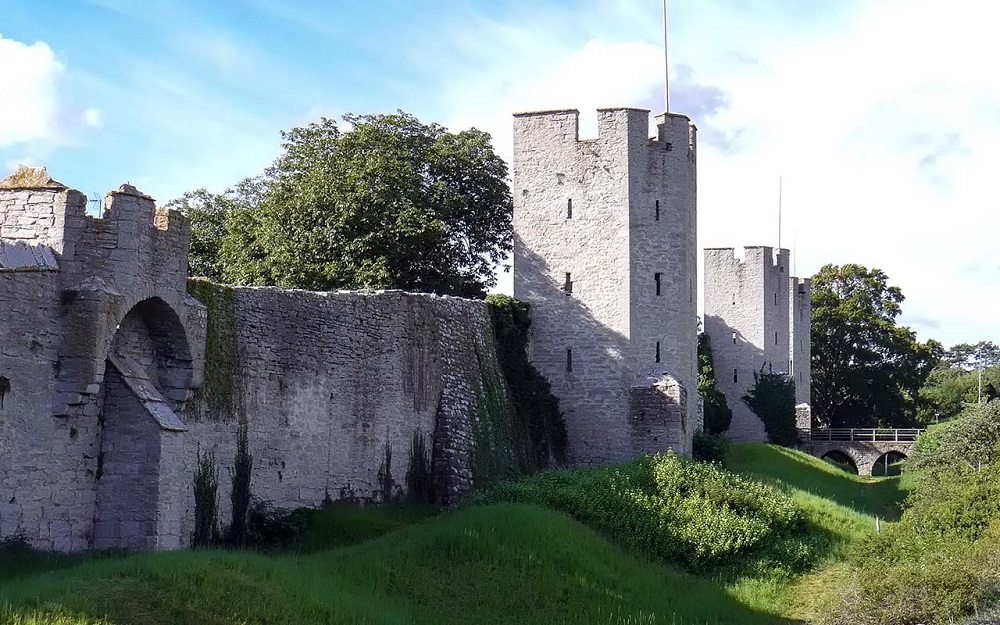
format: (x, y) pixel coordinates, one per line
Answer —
(389, 203)
(866, 369)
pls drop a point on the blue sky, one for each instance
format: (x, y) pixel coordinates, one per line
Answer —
(881, 116)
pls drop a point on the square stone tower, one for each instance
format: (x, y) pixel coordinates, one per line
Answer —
(757, 317)
(605, 253)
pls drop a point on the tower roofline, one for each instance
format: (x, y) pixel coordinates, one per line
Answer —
(546, 112)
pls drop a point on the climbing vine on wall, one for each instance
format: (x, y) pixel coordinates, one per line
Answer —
(539, 431)
(218, 398)
(493, 455)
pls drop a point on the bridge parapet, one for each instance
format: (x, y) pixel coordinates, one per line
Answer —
(895, 435)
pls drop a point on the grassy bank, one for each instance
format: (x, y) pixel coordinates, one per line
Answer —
(497, 563)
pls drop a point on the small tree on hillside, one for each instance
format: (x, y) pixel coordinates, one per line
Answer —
(772, 398)
(718, 415)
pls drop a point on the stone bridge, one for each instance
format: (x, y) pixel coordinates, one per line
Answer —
(863, 448)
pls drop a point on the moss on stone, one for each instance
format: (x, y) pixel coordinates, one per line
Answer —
(219, 397)
(493, 456)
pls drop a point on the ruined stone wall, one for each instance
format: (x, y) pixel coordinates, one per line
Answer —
(756, 318)
(587, 247)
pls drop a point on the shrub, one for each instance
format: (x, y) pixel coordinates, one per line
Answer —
(718, 415)
(941, 562)
(710, 447)
(772, 398)
(206, 501)
(663, 506)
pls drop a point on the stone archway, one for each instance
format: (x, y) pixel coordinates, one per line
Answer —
(888, 463)
(840, 458)
(148, 377)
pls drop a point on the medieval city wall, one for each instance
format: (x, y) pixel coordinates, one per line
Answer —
(116, 384)
(335, 390)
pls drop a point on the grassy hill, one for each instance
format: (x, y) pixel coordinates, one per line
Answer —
(498, 563)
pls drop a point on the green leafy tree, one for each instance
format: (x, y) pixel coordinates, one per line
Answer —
(211, 215)
(866, 369)
(772, 398)
(718, 415)
(389, 203)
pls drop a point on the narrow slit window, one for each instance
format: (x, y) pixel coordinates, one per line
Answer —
(657, 210)
(569, 360)
(658, 277)
(775, 337)
(569, 208)
(568, 287)
(734, 338)
(657, 351)
(775, 299)
(736, 377)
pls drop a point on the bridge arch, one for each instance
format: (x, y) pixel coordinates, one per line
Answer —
(841, 459)
(888, 463)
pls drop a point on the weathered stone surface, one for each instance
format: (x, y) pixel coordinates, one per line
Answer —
(102, 356)
(605, 253)
(757, 318)
(30, 178)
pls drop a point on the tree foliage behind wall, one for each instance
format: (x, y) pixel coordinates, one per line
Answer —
(866, 369)
(718, 415)
(772, 398)
(539, 429)
(389, 203)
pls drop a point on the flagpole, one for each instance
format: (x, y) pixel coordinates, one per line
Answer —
(666, 63)
(779, 212)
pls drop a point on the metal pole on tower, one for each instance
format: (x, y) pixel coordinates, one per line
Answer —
(779, 212)
(666, 63)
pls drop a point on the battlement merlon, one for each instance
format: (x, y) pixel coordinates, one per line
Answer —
(676, 131)
(37, 210)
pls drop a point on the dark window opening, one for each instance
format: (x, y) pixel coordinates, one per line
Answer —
(734, 338)
(657, 351)
(569, 360)
(568, 287)
(658, 278)
(775, 338)
(775, 299)
(657, 210)
(569, 209)
(736, 377)
(4, 389)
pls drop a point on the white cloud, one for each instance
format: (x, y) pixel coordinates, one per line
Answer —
(29, 105)
(885, 128)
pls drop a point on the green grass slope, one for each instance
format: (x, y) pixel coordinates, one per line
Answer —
(499, 563)
(838, 505)
(490, 564)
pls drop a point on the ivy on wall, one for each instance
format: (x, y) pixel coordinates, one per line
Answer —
(217, 399)
(537, 425)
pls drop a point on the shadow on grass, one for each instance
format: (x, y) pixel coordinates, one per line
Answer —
(796, 470)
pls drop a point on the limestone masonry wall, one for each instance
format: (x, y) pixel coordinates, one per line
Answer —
(114, 381)
(605, 253)
(757, 317)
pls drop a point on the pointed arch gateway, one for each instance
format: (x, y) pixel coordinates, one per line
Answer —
(147, 380)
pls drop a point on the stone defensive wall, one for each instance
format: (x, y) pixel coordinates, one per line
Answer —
(119, 378)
